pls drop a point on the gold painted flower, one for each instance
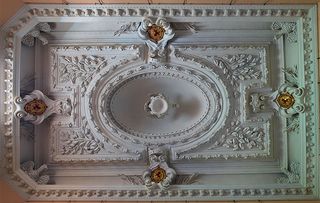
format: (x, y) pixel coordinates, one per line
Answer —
(156, 32)
(35, 107)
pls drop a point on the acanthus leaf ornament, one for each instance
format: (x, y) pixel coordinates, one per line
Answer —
(36, 174)
(289, 29)
(36, 107)
(36, 33)
(158, 173)
(156, 35)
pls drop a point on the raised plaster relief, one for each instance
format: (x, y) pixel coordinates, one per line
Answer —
(293, 124)
(291, 75)
(132, 179)
(158, 173)
(292, 175)
(129, 27)
(156, 35)
(240, 138)
(36, 174)
(289, 29)
(37, 33)
(36, 107)
(239, 67)
(179, 179)
(186, 179)
(289, 100)
(81, 142)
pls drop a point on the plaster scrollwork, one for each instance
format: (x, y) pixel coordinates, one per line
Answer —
(241, 138)
(82, 142)
(36, 107)
(289, 29)
(156, 35)
(158, 173)
(36, 174)
(37, 33)
(292, 175)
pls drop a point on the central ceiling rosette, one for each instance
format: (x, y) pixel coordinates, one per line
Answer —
(194, 104)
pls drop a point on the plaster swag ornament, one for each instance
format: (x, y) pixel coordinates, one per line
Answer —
(158, 173)
(36, 174)
(156, 35)
(289, 29)
(36, 107)
(36, 33)
(289, 100)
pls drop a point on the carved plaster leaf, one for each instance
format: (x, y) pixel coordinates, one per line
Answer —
(35, 33)
(186, 179)
(241, 138)
(291, 75)
(129, 27)
(292, 175)
(289, 29)
(293, 124)
(80, 69)
(35, 174)
(132, 179)
(239, 67)
(82, 143)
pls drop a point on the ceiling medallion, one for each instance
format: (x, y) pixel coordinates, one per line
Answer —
(285, 100)
(156, 32)
(157, 105)
(156, 35)
(289, 100)
(35, 107)
(158, 175)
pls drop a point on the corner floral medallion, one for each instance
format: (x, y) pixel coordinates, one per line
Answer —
(159, 173)
(156, 35)
(36, 107)
(289, 100)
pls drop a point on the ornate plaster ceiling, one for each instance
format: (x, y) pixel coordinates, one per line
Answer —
(161, 102)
